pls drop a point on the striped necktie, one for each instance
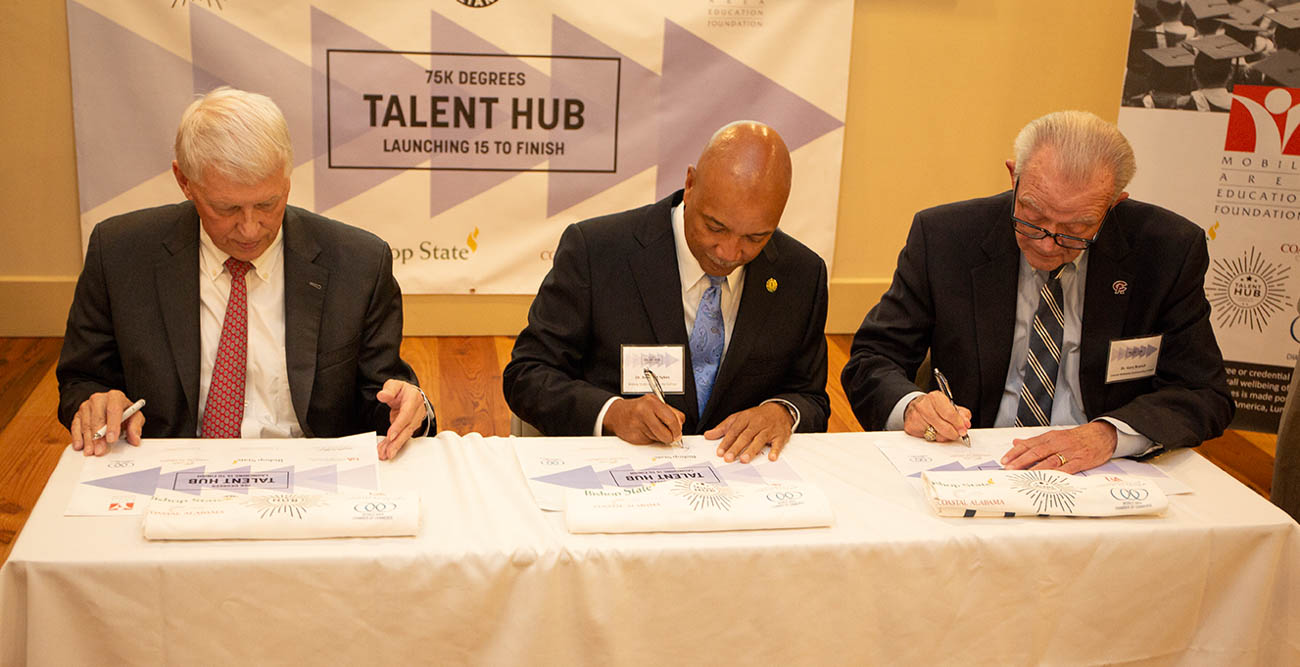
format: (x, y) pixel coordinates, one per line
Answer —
(1044, 357)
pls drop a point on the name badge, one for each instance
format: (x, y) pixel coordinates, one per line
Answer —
(1133, 358)
(667, 361)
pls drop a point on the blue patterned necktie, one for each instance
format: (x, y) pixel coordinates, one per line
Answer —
(1044, 357)
(706, 341)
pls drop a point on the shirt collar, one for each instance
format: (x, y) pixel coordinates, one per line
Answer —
(214, 258)
(687, 266)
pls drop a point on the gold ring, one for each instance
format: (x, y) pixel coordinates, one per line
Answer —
(1058, 455)
(930, 434)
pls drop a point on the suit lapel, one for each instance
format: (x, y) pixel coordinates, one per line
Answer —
(654, 269)
(994, 286)
(755, 307)
(176, 278)
(1105, 308)
(304, 298)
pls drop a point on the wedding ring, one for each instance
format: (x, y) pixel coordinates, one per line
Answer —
(1058, 455)
(930, 434)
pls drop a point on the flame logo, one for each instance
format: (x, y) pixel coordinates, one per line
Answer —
(472, 241)
(1211, 231)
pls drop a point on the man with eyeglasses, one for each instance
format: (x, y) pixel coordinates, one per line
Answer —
(1060, 302)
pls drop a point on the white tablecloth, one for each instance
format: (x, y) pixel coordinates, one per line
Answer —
(491, 579)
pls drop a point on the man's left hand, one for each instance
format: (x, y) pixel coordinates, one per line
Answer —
(1071, 450)
(406, 412)
(745, 433)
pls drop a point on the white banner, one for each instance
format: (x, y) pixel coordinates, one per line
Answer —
(1207, 109)
(467, 133)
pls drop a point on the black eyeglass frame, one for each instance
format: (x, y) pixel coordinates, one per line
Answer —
(1020, 226)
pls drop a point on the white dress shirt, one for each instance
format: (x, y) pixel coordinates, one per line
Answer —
(268, 407)
(1067, 404)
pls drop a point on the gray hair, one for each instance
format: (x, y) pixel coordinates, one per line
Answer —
(241, 135)
(1084, 145)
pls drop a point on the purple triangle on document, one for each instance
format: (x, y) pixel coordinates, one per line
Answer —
(778, 471)
(607, 479)
(953, 466)
(741, 472)
(364, 477)
(1107, 467)
(168, 481)
(288, 470)
(141, 481)
(987, 465)
(241, 470)
(576, 478)
(324, 478)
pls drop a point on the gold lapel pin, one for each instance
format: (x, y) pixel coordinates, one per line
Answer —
(771, 284)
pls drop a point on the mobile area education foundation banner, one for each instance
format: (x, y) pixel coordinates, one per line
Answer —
(1208, 110)
(467, 133)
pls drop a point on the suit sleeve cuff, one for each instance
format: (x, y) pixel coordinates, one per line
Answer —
(1128, 442)
(600, 416)
(790, 407)
(895, 421)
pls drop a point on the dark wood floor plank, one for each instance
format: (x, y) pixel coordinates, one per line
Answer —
(30, 446)
(1240, 458)
(23, 361)
(470, 374)
(837, 354)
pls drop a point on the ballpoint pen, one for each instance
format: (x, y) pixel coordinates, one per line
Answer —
(126, 414)
(659, 393)
(942, 381)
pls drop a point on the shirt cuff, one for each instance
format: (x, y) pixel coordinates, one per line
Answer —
(600, 417)
(895, 421)
(429, 417)
(1128, 442)
(794, 411)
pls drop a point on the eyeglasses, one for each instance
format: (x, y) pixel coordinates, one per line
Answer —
(1032, 231)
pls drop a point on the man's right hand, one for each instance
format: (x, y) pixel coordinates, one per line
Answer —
(950, 421)
(104, 408)
(643, 421)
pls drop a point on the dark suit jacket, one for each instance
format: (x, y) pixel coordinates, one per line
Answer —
(615, 281)
(134, 322)
(1286, 468)
(954, 292)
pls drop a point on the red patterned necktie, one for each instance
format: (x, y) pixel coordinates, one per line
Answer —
(225, 410)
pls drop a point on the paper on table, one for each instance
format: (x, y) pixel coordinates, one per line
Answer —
(684, 506)
(282, 516)
(914, 456)
(1040, 492)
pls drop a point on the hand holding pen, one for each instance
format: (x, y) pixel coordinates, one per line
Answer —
(936, 416)
(644, 420)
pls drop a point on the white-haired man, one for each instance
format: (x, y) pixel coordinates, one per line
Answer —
(233, 314)
(1060, 302)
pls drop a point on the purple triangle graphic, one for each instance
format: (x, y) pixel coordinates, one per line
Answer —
(704, 88)
(638, 129)
(124, 133)
(1107, 467)
(577, 478)
(363, 477)
(335, 186)
(242, 470)
(289, 470)
(168, 480)
(225, 55)
(987, 465)
(325, 478)
(141, 481)
(778, 471)
(741, 472)
(449, 188)
(953, 466)
(608, 479)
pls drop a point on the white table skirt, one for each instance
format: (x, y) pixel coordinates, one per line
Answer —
(491, 579)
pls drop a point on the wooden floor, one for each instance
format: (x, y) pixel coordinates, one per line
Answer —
(462, 377)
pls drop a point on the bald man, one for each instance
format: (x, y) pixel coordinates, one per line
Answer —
(703, 289)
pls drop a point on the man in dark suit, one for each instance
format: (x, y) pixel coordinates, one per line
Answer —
(1058, 302)
(738, 304)
(233, 314)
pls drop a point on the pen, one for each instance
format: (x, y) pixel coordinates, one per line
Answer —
(659, 394)
(942, 381)
(126, 414)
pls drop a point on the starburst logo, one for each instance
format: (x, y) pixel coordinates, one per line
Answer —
(1247, 290)
(210, 3)
(289, 504)
(1047, 491)
(704, 495)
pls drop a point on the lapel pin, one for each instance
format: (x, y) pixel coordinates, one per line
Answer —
(1120, 287)
(316, 285)
(771, 284)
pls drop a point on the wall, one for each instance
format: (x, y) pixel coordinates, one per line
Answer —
(937, 91)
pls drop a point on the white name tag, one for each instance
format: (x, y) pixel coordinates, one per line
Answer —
(1133, 358)
(668, 362)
